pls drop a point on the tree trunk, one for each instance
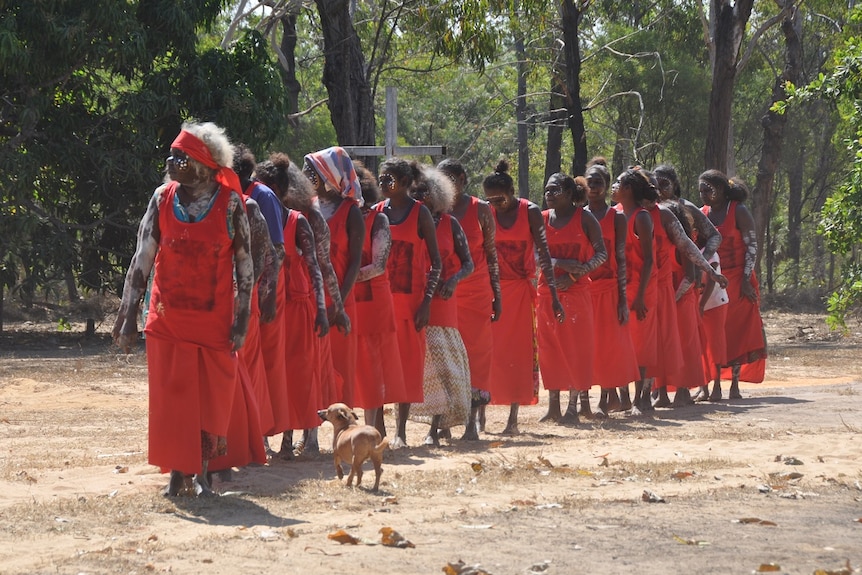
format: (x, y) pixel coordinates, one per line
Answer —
(794, 215)
(556, 125)
(571, 13)
(288, 47)
(728, 28)
(521, 117)
(773, 133)
(344, 75)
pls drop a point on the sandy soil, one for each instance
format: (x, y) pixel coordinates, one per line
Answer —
(774, 478)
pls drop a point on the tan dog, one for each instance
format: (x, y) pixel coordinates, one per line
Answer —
(354, 443)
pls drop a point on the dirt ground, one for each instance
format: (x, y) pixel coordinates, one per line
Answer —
(769, 482)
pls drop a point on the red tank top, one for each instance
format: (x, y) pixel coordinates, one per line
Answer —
(444, 313)
(193, 294)
(339, 248)
(567, 243)
(408, 262)
(664, 248)
(635, 255)
(373, 297)
(475, 238)
(607, 270)
(297, 282)
(515, 246)
(731, 250)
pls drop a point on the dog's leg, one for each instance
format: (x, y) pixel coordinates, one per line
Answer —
(338, 470)
(377, 460)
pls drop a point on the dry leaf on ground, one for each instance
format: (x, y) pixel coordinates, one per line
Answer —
(651, 497)
(756, 520)
(343, 537)
(391, 538)
(460, 568)
(768, 568)
(683, 541)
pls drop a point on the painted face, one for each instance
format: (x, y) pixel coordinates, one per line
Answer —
(665, 187)
(616, 190)
(387, 183)
(457, 181)
(499, 200)
(555, 196)
(313, 177)
(707, 191)
(596, 189)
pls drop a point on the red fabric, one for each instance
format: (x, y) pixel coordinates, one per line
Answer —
(197, 150)
(643, 332)
(691, 374)
(512, 366)
(244, 435)
(272, 342)
(715, 343)
(444, 313)
(744, 335)
(300, 351)
(475, 302)
(344, 347)
(615, 362)
(192, 370)
(669, 359)
(565, 355)
(407, 269)
(378, 367)
(251, 358)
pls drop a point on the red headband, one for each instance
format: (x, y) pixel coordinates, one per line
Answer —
(197, 150)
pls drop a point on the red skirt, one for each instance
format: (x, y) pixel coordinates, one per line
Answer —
(272, 342)
(615, 362)
(191, 390)
(344, 355)
(743, 329)
(411, 351)
(301, 359)
(565, 355)
(644, 332)
(512, 368)
(475, 300)
(669, 353)
(378, 369)
(714, 343)
(251, 358)
(244, 435)
(691, 375)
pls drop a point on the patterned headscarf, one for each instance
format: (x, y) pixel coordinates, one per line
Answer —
(198, 150)
(336, 168)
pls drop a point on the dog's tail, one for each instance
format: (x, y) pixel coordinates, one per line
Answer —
(382, 445)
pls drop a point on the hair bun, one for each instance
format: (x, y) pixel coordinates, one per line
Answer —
(502, 167)
(598, 161)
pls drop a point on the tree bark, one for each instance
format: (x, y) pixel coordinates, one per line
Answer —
(288, 47)
(773, 132)
(728, 29)
(521, 117)
(571, 12)
(351, 107)
(794, 214)
(556, 125)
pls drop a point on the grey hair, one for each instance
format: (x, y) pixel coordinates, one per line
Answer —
(214, 138)
(436, 190)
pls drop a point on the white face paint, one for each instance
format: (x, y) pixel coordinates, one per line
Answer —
(327, 207)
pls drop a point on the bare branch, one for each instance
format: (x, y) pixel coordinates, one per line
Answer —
(707, 37)
(308, 110)
(788, 6)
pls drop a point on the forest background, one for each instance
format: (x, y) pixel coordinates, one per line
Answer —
(92, 92)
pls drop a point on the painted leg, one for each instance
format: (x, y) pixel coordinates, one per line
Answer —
(554, 413)
(512, 424)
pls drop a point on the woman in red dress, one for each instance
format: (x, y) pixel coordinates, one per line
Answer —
(196, 234)
(414, 270)
(334, 179)
(746, 343)
(519, 236)
(377, 368)
(478, 295)
(576, 248)
(615, 363)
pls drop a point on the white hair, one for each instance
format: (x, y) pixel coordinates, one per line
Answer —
(214, 138)
(438, 193)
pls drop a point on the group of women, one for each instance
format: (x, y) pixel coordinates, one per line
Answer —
(433, 294)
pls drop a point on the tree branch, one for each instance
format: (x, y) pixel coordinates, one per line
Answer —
(308, 110)
(760, 31)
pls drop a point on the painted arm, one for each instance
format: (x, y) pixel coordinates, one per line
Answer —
(706, 230)
(337, 315)
(264, 259)
(305, 241)
(745, 225)
(537, 229)
(620, 229)
(489, 230)
(355, 239)
(687, 281)
(428, 232)
(125, 331)
(686, 247)
(644, 231)
(462, 250)
(244, 268)
(381, 244)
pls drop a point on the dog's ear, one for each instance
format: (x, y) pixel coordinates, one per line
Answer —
(355, 417)
(344, 414)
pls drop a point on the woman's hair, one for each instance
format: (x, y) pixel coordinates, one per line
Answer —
(434, 189)
(576, 187)
(598, 161)
(367, 183)
(685, 218)
(579, 197)
(641, 184)
(500, 179)
(668, 172)
(405, 172)
(244, 162)
(733, 189)
(214, 138)
(602, 170)
(452, 166)
(286, 180)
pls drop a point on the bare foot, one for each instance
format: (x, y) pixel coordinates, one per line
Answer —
(552, 415)
(715, 395)
(570, 418)
(172, 489)
(599, 414)
(431, 441)
(635, 411)
(470, 433)
(682, 397)
(701, 395)
(734, 391)
(397, 443)
(202, 487)
(662, 401)
(511, 429)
